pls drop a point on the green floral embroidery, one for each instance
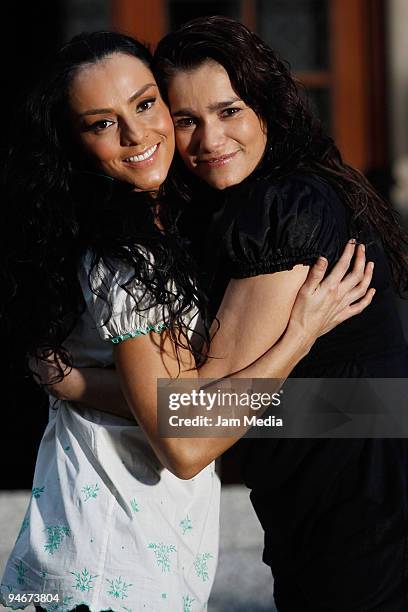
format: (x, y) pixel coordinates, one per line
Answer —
(200, 566)
(162, 554)
(90, 491)
(134, 505)
(164, 595)
(23, 527)
(56, 534)
(36, 491)
(187, 603)
(118, 588)
(21, 570)
(67, 600)
(140, 332)
(44, 574)
(186, 525)
(67, 448)
(127, 609)
(64, 606)
(83, 580)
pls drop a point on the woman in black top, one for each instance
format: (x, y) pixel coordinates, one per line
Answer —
(275, 194)
(334, 511)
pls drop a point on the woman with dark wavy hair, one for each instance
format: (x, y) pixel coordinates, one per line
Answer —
(91, 251)
(256, 164)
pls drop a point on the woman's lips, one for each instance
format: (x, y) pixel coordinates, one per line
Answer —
(143, 159)
(215, 162)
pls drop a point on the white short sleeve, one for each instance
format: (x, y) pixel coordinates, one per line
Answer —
(121, 313)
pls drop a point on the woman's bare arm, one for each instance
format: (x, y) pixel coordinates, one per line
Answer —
(319, 307)
(255, 313)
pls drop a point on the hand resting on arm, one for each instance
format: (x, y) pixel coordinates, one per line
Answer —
(288, 327)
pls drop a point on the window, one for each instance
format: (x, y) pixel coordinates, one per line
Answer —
(335, 47)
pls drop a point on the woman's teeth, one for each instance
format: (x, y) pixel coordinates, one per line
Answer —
(143, 156)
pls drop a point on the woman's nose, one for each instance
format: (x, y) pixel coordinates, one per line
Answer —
(132, 132)
(210, 137)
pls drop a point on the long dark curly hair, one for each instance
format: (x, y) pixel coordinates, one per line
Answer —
(296, 141)
(55, 213)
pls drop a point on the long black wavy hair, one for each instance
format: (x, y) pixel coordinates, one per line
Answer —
(56, 212)
(296, 141)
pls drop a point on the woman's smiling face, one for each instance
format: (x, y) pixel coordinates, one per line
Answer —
(220, 139)
(122, 123)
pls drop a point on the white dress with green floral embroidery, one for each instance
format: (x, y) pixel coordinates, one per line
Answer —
(107, 526)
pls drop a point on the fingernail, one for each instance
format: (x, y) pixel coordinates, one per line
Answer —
(322, 260)
(362, 247)
(352, 241)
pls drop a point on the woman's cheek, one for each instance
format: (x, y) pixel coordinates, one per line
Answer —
(101, 151)
(182, 145)
(166, 126)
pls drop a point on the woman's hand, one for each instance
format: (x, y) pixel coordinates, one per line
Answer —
(323, 303)
(97, 388)
(49, 370)
(320, 305)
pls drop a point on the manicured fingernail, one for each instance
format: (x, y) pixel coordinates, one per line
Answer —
(362, 247)
(322, 260)
(352, 241)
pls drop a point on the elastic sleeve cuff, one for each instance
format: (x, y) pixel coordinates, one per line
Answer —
(271, 265)
(140, 331)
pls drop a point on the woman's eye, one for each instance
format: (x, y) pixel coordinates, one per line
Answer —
(145, 105)
(184, 122)
(101, 125)
(230, 112)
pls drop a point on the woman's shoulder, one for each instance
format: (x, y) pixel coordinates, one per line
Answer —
(298, 199)
(294, 191)
(110, 283)
(298, 203)
(99, 269)
(287, 221)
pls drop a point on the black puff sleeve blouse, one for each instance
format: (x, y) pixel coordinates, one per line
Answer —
(272, 227)
(264, 227)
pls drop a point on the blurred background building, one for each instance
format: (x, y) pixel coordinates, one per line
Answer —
(352, 56)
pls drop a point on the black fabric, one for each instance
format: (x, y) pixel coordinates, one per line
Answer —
(274, 227)
(335, 512)
(261, 228)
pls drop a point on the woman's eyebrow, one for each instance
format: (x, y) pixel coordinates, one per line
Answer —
(211, 107)
(134, 96)
(218, 105)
